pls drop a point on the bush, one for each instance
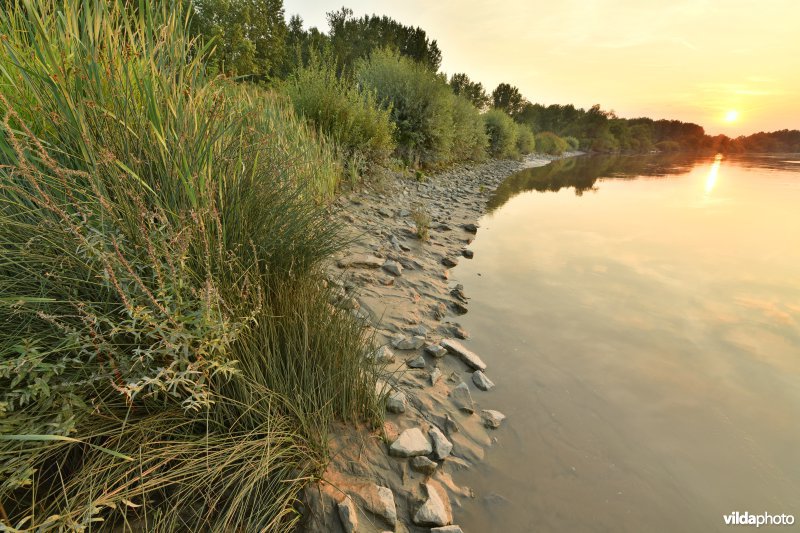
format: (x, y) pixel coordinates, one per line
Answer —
(668, 146)
(420, 103)
(525, 140)
(470, 141)
(359, 127)
(573, 144)
(166, 338)
(502, 132)
(550, 143)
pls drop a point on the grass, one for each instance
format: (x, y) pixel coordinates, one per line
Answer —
(168, 357)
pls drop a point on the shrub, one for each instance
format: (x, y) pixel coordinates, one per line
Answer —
(359, 127)
(502, 132)
(166, 339)
(668, 146)
(470, 141)
(525, 140)
(573, 144)
(550, 143)
(420, 103)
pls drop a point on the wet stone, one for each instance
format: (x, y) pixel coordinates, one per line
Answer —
(491, 418)
(481, 381)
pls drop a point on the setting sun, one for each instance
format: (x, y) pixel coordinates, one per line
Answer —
(731, 116)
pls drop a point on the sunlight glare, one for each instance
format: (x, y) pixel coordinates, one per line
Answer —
(731, 115)
(711, 180)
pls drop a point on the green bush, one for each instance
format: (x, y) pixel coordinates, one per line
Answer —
(420, 103)
(668, 146)
(525, 141)
(573, 144)
(166, 339)
(549, 143)
(360, 128)
(470, 141)
(502, 132)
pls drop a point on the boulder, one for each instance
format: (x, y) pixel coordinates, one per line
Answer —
(396, 403)
(411, 443)
(441, 446)
(436, 510)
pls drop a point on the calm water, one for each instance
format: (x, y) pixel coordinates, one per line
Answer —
(641, 317)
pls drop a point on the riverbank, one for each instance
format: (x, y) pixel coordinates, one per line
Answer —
(440, 416)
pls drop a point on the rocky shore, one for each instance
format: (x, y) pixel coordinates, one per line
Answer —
(409, 233)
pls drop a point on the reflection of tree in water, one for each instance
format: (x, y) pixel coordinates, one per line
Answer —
(582, 173)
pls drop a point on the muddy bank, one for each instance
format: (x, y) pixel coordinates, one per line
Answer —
(439, 416)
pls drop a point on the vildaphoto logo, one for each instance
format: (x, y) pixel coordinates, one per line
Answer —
(764, 519)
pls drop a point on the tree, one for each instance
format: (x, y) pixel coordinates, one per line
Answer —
(471, 90)
(248, 35)
(508, 98)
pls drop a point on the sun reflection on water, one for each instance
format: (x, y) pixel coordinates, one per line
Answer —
(711, 180)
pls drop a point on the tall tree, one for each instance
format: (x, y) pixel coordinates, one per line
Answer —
(508, 98)
(472, 90)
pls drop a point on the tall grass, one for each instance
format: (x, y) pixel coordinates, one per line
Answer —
(168, 357)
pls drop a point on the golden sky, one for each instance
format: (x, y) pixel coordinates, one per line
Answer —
(692, 60)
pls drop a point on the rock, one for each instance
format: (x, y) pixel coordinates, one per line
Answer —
(396, 403)
(441, 446)
(418, 362)
(450, 425)
(462, 398)
(436, 350)
(386, 507)
(424, 465)
(360, 261)
(434, 512)
(409, 343)
(492, 419)
(348, 516)
(458, 292)
(435, 376)
(449, 262)
(458, 308)
(481, 381)
(440, 311)
(471, 228)
(410, 443)
(392, 267)
(468, 356)
(384, 213)
(420, 330)
(382, 388)
(459, 332)
(382, 355)
(466, 252)
(446, 529)
(394, 242)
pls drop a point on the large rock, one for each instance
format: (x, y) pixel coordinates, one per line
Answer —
(396, 403)
(462, 398)
(436, 510)
(441, 446)
(393, 267)
(409, 343)
(481, 381)
(386, 507)
(411, 443)
(361, 261)
(468, 356)
(348, 515)
(491, 418)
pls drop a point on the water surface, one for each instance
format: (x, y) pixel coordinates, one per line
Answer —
(641, 317)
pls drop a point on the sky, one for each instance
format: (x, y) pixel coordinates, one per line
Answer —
(732, 66)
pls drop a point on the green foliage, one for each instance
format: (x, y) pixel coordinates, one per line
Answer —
(472, 90)
(422, 221)
(668, 146)
(470, 141)
(161, 236)
(525, 140)
(508, 98)
(361, 129)
(573, 144)
(502, 132)
(248, 35)
(549, 143)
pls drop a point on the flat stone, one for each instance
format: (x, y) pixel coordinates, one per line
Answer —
(409, 343)
(423, 465)
(449, 262)
(411, 443)
(459, 332)
(492, 419)
(436, 350)
(361, 261)
(481, 381)
(348, 515)
(462, 398)
(441, 446)
(386, 506)
(417, 362)
(434, 512)
(393, 267)
(420, 330)
(446, 529)
(468, 356)
(435, 376)
(396, 403)
(382, 355)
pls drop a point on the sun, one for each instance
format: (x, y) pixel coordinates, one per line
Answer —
(731, 116)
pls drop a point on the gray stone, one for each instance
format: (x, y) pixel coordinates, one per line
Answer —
(434, 512)
(417, 362)
(446, 529)
(423, 465)
(468, 356)
(387, 508)
(459, 332)
(492, 419)
(360, 261)
(449, 262)
(462, 398)
(441, 446)
(436, 350)
(411, 443)
(383, 355)
(472, 228)
(481, 381)
(348, 515)
(450, 425)
(392, 267)
(396, 403)
(420, 330)
(435, 376)
(409, 343)
(458, 308)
